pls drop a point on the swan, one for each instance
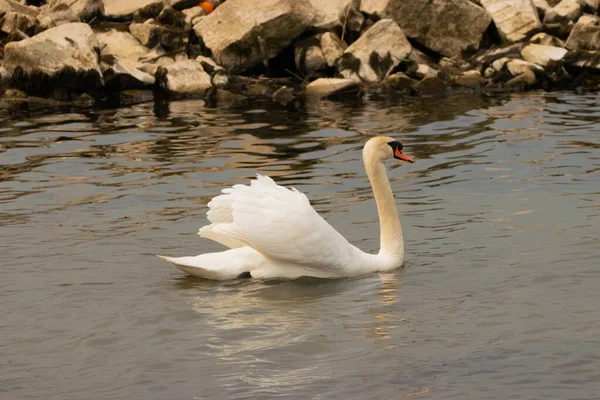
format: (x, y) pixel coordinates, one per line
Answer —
(274, 232)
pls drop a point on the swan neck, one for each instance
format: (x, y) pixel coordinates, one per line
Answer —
(391, 238)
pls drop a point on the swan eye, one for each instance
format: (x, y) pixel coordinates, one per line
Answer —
(395, 145)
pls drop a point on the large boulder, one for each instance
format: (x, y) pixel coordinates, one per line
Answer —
(241, 34)
(448, 27)
(64, 56)
(376, 53)
(515, 20)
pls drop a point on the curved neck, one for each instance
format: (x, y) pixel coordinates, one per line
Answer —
(392, 241)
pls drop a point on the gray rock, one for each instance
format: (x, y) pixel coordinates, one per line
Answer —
(542, 55)
(374, 7)
(193, 13)
(183, 77)
(124, 74)
(232, 31)
(585, 34)
(283, 95)
(424, 70)
(332, 47)
(123, 9)
(546, 40)
(517, 67)
(515, 20)
(399, 82)
(64, 56)
(55, 15)
(85, 10)
(121, 45)
(149, 11)
(324, 87)
(308, 56)
(329, 14)
(13, 6)
(15, 22)
(564, 12)
(376, 53)
(428, 22)
(148, 34)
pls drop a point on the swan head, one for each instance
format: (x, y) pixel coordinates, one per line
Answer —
(381, 148)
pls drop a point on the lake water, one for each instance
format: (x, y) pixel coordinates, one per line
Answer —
(499, 298)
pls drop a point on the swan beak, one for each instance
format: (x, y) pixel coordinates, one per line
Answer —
(401, 156)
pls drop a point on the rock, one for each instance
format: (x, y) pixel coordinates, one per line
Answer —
(470, 79)
(236, 46)
(546, 40)
(515, 20)
(15, 22)
(542, 55)
(149, 11)
(85, 10)
(583, 59)
(324, 87)
(124, 9)
(499, 64)
(121, 45)
(225, 98)
(332, 48)
(183, 77)
(55, 15)
(525, 73)
(541, 6)
(427, 22)
(424, 70)
(376, 53)
(64, 56)
(400, 82)
(309, 57)
(192, 13)
(148, 34)
(585, 34)
(182, 4)
(172, 18)
(13, 6)
(220, 78)
(208, 64)
(374, 7)
(329, 14)
(283, 95)
(563, 13)
(431, 86)
(123, 74)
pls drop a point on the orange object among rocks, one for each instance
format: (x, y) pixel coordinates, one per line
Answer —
(207, 6)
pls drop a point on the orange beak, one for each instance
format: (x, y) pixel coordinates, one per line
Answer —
(400, 155)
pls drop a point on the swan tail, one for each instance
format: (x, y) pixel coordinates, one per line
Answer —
(222, 266)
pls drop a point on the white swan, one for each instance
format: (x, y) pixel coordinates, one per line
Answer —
(273, 231)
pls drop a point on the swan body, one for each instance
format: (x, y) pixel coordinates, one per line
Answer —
(274, 232)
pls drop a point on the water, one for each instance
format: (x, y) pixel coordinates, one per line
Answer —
(498, 299)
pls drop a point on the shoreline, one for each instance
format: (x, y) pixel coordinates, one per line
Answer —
(82, 54)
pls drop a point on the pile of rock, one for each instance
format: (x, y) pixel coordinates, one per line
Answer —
(64, 48)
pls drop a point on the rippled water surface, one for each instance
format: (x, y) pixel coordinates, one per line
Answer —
(499, 299)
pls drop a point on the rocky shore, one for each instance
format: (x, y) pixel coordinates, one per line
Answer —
(88, 51)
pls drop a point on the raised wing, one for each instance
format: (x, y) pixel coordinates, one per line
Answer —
(278, 222)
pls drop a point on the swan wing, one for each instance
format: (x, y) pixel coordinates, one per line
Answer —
(278, 222)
